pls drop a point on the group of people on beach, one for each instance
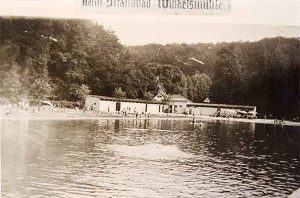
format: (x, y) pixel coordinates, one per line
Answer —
(234, 114)
(276, 121)
(135, 113)
(9, 108)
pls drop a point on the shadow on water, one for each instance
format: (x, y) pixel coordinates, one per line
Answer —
(148, 158)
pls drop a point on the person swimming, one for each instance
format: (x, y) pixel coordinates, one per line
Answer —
(194, 123)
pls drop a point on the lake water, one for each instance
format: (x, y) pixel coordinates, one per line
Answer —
(148, 158)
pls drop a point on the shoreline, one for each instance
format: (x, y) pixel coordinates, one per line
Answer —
(80, 115)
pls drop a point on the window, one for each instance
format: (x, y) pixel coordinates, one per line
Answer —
(118, 106)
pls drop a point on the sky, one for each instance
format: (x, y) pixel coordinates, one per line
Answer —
(249, 20)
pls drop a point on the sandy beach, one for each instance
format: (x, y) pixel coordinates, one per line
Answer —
(71, 114)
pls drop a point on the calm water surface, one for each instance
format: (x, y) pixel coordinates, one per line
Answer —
(148, 158)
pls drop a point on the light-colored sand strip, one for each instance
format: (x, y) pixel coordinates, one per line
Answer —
(69, 116)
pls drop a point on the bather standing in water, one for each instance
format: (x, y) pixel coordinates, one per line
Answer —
(193, 121)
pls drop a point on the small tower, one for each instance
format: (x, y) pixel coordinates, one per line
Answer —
(161, 93)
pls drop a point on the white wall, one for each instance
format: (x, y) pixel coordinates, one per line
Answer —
(107, 106)
(203, 110)
(129, 107)
(209, 110)
(91, 101)
(178, 109)
(153, 108)
(132, 107)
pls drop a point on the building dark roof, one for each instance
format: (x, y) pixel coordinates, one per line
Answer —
(177, 98)
(220, 106)
(107, 98)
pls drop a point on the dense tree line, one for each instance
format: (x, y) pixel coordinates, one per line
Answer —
(65, 59)
(264, 73)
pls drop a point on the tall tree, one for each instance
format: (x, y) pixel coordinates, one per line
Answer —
(227, 76)
(119, 93)
(199, 85)
(10, 82)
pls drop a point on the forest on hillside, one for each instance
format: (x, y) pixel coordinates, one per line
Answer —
(65, 59)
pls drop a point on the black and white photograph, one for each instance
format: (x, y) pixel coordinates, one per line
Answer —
(150, 98)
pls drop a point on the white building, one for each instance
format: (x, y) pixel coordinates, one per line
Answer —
(113, 105)
(175, 104)
(207, 109)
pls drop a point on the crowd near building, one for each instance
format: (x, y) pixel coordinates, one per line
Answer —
(163, 103)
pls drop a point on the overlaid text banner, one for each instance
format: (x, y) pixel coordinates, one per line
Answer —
(172, 7)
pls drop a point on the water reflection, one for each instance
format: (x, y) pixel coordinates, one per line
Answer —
(148, 158)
